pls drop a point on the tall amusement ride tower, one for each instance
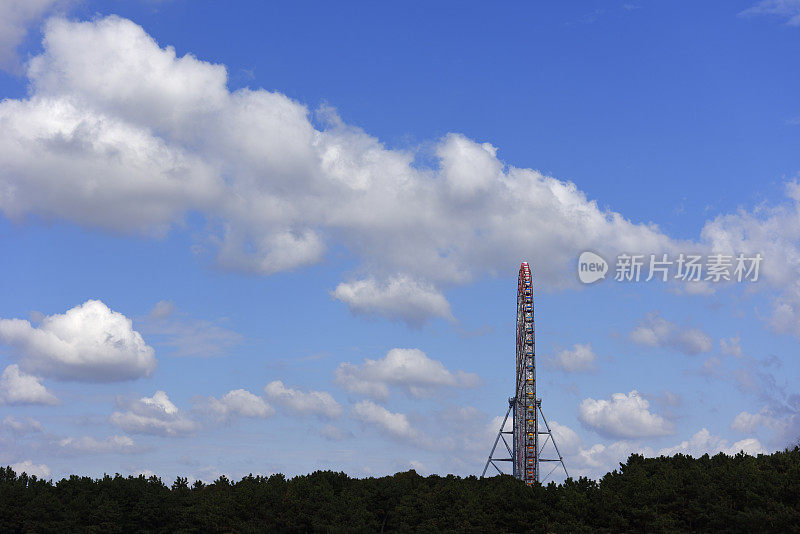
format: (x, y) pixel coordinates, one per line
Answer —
(526, 447)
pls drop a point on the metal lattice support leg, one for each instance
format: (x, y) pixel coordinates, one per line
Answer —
(552, 440)
(500, 436)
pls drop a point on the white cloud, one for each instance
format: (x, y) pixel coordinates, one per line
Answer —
(394, 424)
(16, 17)
(658, 332)
(703, 442)
(468, 170)
(786, 312)
(16, 387)
(187, 336)
(579, 358)
(494, 424)
(747, 422)
(347, 375)
(319, 403)
(22, 426)
(38, 470)
(786, 9)
(89, 342)
(418, 466)
(89, 444)
(399, 298)
(147, 473)
(750, 446)
(731, 346)
(409, 369)
(567, 439)
(160, 402)
(162, 310)
(623, 416)
(239, 402)
(155, 415)
(600, 458)
(58, 152)
(774, 232)
(120, 133)
(280, 251)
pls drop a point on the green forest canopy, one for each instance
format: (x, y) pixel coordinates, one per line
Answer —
(678, 493)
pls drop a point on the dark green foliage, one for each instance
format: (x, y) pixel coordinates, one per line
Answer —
(676, 494)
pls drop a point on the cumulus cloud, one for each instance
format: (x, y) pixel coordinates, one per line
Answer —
(703, 442)
(91, 445)
(494, 425)
(144, 181)
(155, 415)
(21, 426)
(656, 331)
(567, 439)
(16, 17)
(418, 466)
(601, 458)
(774, 232)
(88, 343)
(187, 336)
(38, 470)
(623, 416)
(16, 387)
(747, 422)
(597, 459)
(238, 402)
(120, 133)
(399, 298)
(394, 424)
(408, 369)
(731, 346)
(580, 358)
(319, 403)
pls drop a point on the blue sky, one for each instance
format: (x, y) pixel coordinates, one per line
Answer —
(285, 237)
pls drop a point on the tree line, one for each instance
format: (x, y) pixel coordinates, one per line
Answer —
(679, 493)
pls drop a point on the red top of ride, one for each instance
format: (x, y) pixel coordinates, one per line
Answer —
(524, 271)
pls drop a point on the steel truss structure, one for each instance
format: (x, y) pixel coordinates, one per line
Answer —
(525, 408)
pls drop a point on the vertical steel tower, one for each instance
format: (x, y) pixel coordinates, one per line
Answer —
(525, 451)
(526, 439)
